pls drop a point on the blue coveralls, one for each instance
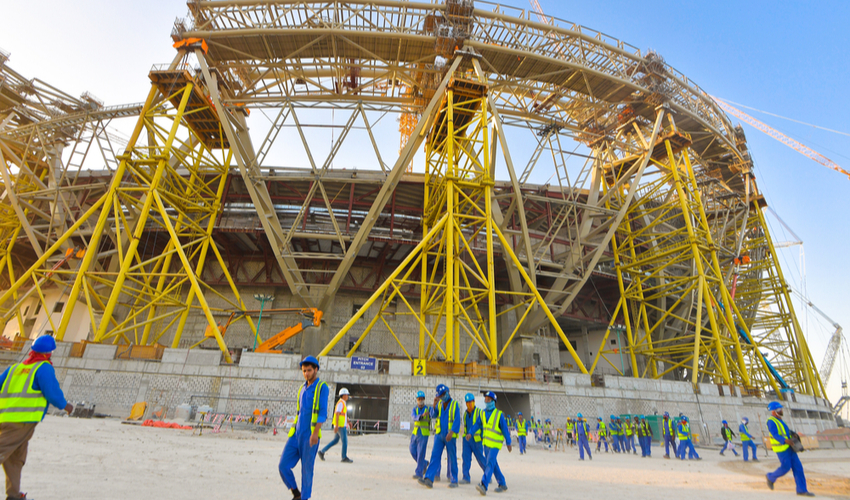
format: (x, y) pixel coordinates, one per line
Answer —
(686, 444)
(669, 439)
(613, 431)
(581, 432)
(602, 439)
(445, 439)
(747, 444)
(788, 459)
(298, 446)
(622, 437)
(492, 454)
(645, 439)
(472, 447)
(419, 442)
(521, 439)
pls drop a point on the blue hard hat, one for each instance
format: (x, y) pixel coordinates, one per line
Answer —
(491, 395)
(579, 415)
(772, 406)
(442, 389)
(684, 418)
(420, 394)
(746, 420)
(518, 413)
(613, 417)
(469, 398)
(44, 344)
(310, 360)
(666, 414)
(725, 423)
(599, 418)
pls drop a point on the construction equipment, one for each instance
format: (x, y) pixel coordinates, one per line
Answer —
(310, 317)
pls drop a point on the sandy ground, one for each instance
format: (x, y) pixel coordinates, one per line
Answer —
(82, 459)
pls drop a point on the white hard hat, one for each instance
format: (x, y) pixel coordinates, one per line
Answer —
(344, 392)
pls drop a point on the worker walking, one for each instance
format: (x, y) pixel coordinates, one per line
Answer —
(602, 434)
(340, 420)
(727, 434)
(27, 390)
(613, 433)
(685, 443)
(583, 435)
(645, 438)
(630, 438)
(780, 440)
(447, 412)
(547, 432)
(521, 432)
(471, 416)
(419, 438)
(571, 428)
(303, 442)
(495, 430)
(669, 439)
(747, 440)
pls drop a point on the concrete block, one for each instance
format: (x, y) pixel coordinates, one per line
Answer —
(251, 360)
(62, 349)
(400, 367)
(173, 355)
(96, 364)
(335, 363)
(100, 351)
(204, 357)
(277, 361)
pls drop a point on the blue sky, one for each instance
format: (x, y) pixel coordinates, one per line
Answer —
(785, 57)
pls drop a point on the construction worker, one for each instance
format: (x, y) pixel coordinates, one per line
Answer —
(727, 434)
(27, 390)
(622, 434)
(340, 428)
(495, 431)
(780, 440)
(547, 432)
(521, 432)
(583, 436)
(538, 432)
(471, 416)
(685, 443)
(630, 438)
(303, 442)
(645, 437)
(669, 439)
(601, 433)
(446, 411)
(613, 433)
(571, 431)
(747, 440)
(419, 438)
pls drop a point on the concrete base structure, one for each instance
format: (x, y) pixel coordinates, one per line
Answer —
(198, 377)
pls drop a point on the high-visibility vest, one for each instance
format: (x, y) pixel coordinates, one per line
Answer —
(602, 432)
(669, 426)
(452, 414)
(521, 427)
(493, 437)
(316, 401)
(547, 428)
(781, 430)
(644, 429)
(582, 425)
(727, 432)
(744, 433)
(476, 417)
(570, 426)
(684, 432)
(422, 427)
(19, 402)
(628, 428)
(339, 420)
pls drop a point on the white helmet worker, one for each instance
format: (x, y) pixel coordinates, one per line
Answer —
(343, 392)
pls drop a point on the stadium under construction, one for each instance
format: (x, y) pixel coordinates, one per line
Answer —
(559, 201)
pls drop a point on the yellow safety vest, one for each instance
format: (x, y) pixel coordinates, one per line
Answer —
(339, 420)
(452, 415)
(423, 427)
(316, 401)
(685, 433)
(570, 427)
(602, 429)
(476, 417)
(744, 436)
(493, 437)
(522, 428)
(19, 402)
(780, 429)
(628, 429)
(669, 426)
(547, 429)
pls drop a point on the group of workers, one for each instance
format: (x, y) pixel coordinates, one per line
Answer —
(29, 387)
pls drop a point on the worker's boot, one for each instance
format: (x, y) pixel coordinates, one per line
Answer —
(501, 488)
(769, 482)
(322, 455)
(464, 481)
(806, 494)
(22, 497)
(296, 494)
(347, 460)
(481, 489)
(426, 482)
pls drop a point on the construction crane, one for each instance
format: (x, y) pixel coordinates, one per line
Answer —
(779, 136)
(311, 317)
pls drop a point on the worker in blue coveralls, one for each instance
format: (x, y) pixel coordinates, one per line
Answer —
(601, 434)
(667, 428)
(747, 440)
(780, 440)
(645, 438)
(685, 443)
(303, 442)
(473, 446)
(614, 432)
(421, 416)
(28, 388)
(521, 432)
(446, 411)
(621, 437)
(583, 434)
(727, 435)
(495, 431)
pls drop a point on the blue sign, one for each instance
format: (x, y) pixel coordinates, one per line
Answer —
(358, 363)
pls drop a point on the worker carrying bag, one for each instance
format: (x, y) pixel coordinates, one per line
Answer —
(796, 444)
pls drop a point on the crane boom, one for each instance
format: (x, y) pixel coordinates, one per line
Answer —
(834, 346)
(779, 136)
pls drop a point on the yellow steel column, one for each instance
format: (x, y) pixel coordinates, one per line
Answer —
(451, 307)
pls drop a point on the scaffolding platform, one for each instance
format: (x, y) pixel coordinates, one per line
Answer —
(200, 114)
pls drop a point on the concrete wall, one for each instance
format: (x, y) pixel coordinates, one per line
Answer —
(272, 380)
